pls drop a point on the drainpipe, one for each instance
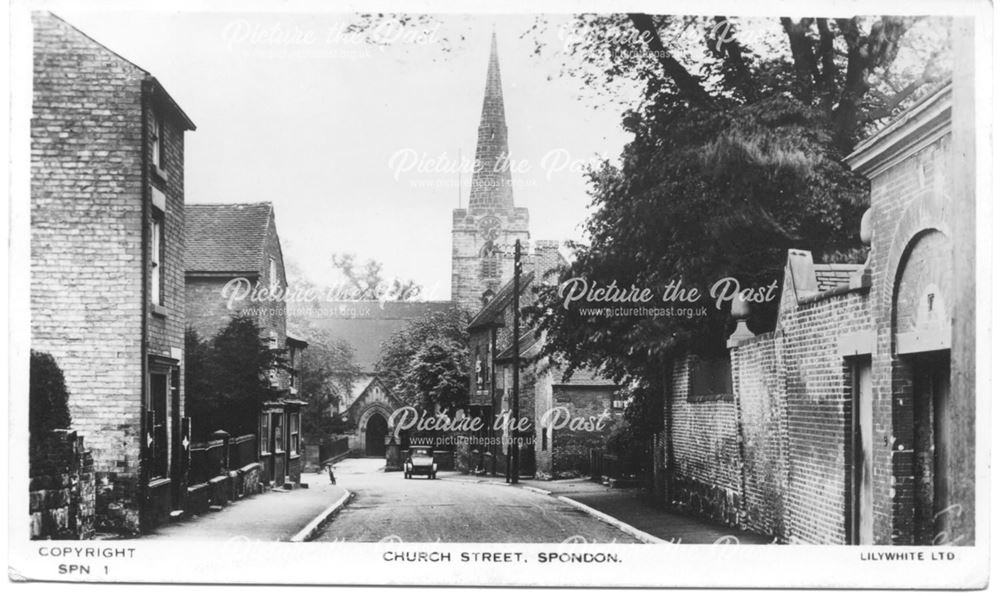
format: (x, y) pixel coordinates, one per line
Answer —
(146, 88)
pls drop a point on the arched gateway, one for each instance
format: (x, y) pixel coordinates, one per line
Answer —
(375, 431)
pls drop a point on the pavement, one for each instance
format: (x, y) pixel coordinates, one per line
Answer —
(389, 508)
(276, 515)
(454, 508)
(629, 507)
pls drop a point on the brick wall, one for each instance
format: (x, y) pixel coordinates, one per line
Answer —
(92, 111)
(206, 310)
(913, 245)
(86, 234)
(758, 387)
(273, 319)
(705, 466)
(772, 457)
(818, 393)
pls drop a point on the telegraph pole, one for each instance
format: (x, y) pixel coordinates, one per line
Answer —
(516, 405)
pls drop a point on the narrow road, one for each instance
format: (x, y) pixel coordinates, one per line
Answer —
(453, 508)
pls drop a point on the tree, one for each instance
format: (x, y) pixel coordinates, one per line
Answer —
(731, 165)
(369, 283)
(326, 372)
(438, 375)
(427, 362)
(229, 378)
(48, 400)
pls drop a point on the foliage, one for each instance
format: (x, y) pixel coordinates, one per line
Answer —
(731, 165)
(326, 372)
(48, 407)
(439, 374)
(702, 195)
(369, 283)
(643, 417)
(426, 363)
(228, 378)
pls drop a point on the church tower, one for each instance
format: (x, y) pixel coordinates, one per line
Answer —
(491, 222)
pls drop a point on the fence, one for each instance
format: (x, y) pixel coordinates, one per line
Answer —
(242, 451)
(330, 450)
(214, 458)
(604, 465)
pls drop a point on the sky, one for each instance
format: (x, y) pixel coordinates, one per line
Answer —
(358, 145)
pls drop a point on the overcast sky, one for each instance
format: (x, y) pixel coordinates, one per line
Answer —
(325, 128)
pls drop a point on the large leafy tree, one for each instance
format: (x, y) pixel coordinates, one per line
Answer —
(426, 363)
(737, 157)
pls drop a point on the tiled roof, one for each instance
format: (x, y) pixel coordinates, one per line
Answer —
(829, 276)
(494, 308)
(225, 237)
(530, 346)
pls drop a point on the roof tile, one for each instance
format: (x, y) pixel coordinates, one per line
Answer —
(225, 237)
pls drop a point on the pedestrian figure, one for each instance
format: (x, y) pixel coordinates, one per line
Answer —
(329, 470)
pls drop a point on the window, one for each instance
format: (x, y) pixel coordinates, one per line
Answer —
(156, 258)
(279, 438)
(157, 139)
(293, 433)
(265, 432)
(272, 340)
(272, 273)
(545, 439)
(490, 258)
(490, 267)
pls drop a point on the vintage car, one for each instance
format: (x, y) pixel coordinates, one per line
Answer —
(420, 460)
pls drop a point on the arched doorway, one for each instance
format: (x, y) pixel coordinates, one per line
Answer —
(375, 431)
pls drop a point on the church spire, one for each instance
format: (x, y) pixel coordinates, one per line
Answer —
(491, 187)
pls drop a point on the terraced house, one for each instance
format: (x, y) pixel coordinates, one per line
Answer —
(233, 250)
(107, 264)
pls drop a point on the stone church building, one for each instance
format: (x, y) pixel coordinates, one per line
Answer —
(483, 235)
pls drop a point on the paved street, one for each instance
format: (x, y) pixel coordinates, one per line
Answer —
(272, 516)
(388, 507)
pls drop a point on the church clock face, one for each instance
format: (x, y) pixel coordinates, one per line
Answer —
(489, 228)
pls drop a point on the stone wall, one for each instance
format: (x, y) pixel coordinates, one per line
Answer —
(467, 281)
(61, 485)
